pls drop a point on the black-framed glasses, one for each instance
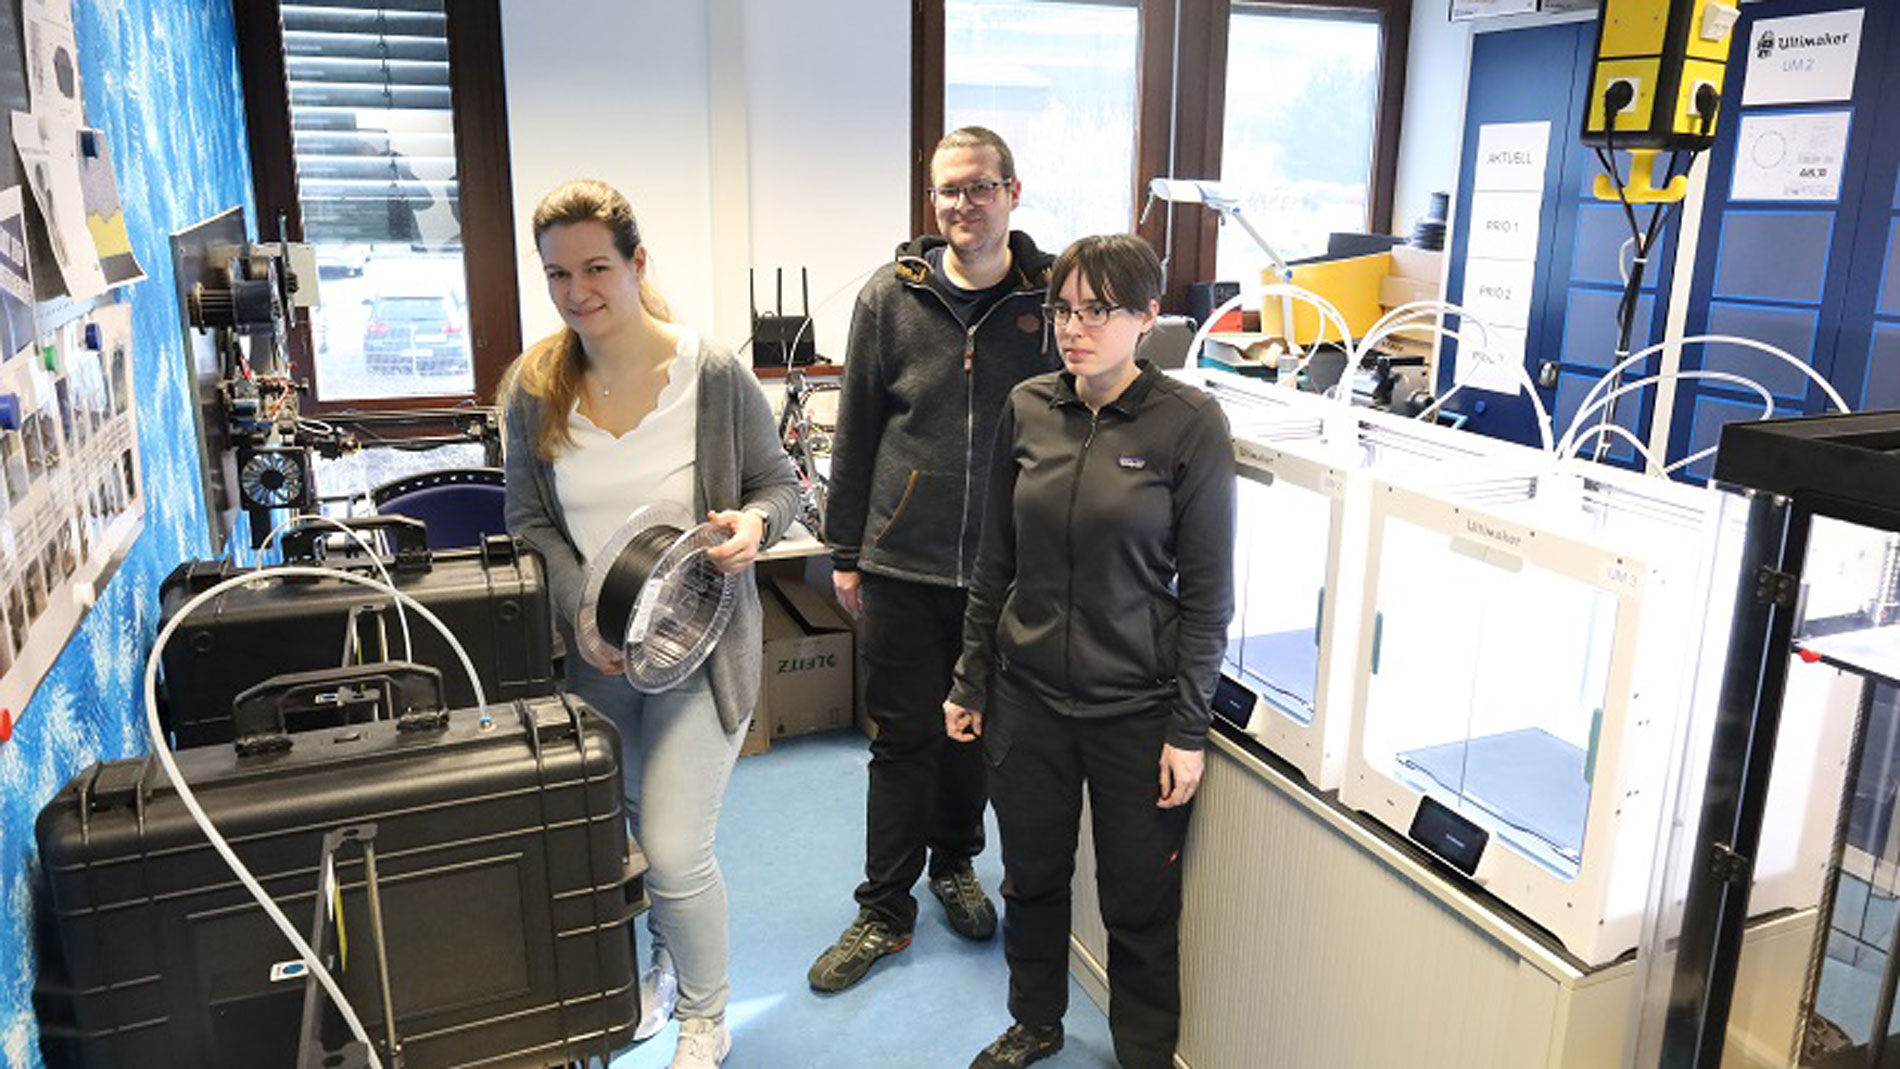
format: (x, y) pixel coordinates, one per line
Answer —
(982, 194)
(1090, 313)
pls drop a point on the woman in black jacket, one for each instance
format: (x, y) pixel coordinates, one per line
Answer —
(1092, 642)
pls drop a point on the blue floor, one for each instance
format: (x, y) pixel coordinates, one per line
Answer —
(791, 842)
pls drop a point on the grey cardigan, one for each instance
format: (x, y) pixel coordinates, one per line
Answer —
(738, 464)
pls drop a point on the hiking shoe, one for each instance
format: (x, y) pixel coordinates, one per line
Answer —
(965, 906)
(704, 1043)
(845, 962)
(1020, 1045)
(659, 993)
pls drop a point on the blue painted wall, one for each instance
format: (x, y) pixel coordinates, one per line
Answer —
(161, 80)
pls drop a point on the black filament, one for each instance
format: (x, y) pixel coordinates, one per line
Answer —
(620, 590)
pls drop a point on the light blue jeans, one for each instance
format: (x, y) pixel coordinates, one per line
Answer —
(675, 759)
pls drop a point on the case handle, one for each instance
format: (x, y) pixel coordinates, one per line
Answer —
(304, 541)
(261, 716)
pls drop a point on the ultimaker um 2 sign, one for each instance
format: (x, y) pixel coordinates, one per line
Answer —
(1803, 58)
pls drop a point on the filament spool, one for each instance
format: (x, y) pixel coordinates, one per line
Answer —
(653, 597)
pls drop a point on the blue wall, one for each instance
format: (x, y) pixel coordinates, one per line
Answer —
(161, 80)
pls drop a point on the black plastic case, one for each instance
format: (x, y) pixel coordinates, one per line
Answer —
(507, 877)
(493, 597)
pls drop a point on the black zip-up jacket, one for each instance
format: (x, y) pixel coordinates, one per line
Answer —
(1106, 579)
(917, 416)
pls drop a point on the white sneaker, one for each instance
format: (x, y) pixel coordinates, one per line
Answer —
(659, 993)
(704, 1043)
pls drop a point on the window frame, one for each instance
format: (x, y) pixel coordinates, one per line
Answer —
(1185, 131)
(485, 186)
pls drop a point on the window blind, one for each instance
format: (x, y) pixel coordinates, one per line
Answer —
(372, 122)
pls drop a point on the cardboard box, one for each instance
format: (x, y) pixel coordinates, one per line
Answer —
(758, 731)
(809, 673)
(1425, 265)
(1396, 290)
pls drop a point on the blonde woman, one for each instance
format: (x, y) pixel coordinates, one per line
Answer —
(620, 409)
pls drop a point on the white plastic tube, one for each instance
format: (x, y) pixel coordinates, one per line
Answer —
(1328, 313)
(190, 800)
(1429, 315)
(1405, 316)
(1425, 315)
(1525, 386)
(1575, 443)
(1617, 430)
(402, 617)
(1723, 339)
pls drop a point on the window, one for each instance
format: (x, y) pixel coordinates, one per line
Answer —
(1293, 105)
(1059, 82)
(1297, 140)
(391, 146)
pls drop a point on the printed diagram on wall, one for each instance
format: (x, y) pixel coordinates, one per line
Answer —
(52, 59)
(71, 498)
(1790, 156)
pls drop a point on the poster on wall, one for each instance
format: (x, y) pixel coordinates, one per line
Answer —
(72, 499)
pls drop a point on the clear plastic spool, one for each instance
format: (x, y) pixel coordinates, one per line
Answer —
(681, 608)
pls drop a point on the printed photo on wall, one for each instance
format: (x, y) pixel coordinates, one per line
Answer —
(13, 458)
(35, 590)
(16, 617)
(16, 281)
(120, 386)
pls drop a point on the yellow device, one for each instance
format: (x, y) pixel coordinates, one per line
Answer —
(1656, 86)
(1350, 283)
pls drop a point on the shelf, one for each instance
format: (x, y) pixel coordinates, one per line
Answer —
(1872, 652)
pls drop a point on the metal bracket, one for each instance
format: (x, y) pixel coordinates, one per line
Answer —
(1728, 865)
(1776, 587)
(326, 936)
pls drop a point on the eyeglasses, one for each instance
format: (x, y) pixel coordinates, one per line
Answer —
(981, 194)
(1091, 314)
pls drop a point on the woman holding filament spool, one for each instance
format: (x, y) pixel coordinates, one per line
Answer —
(620, 412)
(1091, 644)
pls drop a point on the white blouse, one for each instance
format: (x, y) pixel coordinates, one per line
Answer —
(605, 477)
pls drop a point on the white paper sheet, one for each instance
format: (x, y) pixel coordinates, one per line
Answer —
(1790, 156)
(1801, 59)
(49, 153)
(1507, 196)
(52, 61)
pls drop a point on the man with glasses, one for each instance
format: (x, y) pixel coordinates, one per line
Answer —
(938, 339)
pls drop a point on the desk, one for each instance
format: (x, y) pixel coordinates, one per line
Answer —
(797, 543)
(1310, 940)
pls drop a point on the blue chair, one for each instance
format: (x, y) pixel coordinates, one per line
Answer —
(458, 505)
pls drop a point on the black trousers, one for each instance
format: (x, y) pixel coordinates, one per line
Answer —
(926, 790)
(1040, 762)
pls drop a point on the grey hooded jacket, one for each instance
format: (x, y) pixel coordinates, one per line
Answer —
(917, 416)
(738, 464)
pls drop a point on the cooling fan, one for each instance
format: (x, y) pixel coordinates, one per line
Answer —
(654, 599)
(274, 478)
